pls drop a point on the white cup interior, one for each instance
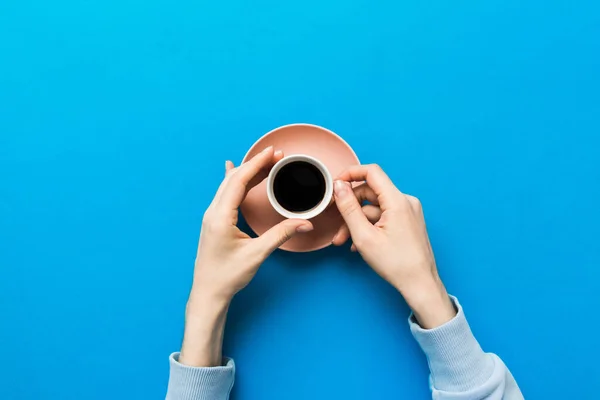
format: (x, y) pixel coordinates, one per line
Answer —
(316, 210)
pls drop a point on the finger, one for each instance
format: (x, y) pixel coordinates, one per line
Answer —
(417, 210)
(353, 248)
(415, 204)
(264, 172)
(228, 166)
(364, 193)
(281, 233)
(376, 179)
(229, 169)
(277, 156)
(236, 184)
(373, 213)
(351, 211)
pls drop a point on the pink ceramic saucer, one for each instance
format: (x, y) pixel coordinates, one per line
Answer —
(314, 141)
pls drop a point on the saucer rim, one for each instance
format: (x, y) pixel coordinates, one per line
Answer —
(296, 124)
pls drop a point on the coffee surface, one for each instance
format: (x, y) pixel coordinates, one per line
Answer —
(299, 186)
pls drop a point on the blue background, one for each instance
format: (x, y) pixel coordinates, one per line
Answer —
(116, 118)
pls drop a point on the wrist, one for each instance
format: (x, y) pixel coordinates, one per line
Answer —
(203, 335)
(205, 306)
(429, 301)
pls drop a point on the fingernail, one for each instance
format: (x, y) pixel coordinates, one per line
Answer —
(278, 153)
(304, 228)
(268, 149)
(340, 188)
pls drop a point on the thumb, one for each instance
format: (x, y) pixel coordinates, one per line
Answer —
(281, 233)
(351, 210)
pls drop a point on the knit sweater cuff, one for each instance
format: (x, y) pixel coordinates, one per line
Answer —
(456, 361)
(199, 383)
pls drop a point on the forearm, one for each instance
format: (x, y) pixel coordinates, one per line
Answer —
(200, 372)
(459, 367)
(429, 301)
(203, 335)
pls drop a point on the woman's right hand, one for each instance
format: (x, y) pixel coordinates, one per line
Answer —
(391, 236)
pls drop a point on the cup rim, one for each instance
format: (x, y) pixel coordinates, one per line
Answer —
(316, 210)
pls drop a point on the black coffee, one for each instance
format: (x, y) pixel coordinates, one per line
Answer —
(299, 186)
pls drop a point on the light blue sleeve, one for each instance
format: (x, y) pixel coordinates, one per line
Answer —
(195, 383)
(460, 370)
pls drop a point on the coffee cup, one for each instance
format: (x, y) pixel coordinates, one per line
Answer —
(299, 186)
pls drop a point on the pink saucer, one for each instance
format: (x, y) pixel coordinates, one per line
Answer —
(314, 141)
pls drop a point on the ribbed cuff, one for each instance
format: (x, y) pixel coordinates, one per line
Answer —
(456, 361)
(197, 383)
